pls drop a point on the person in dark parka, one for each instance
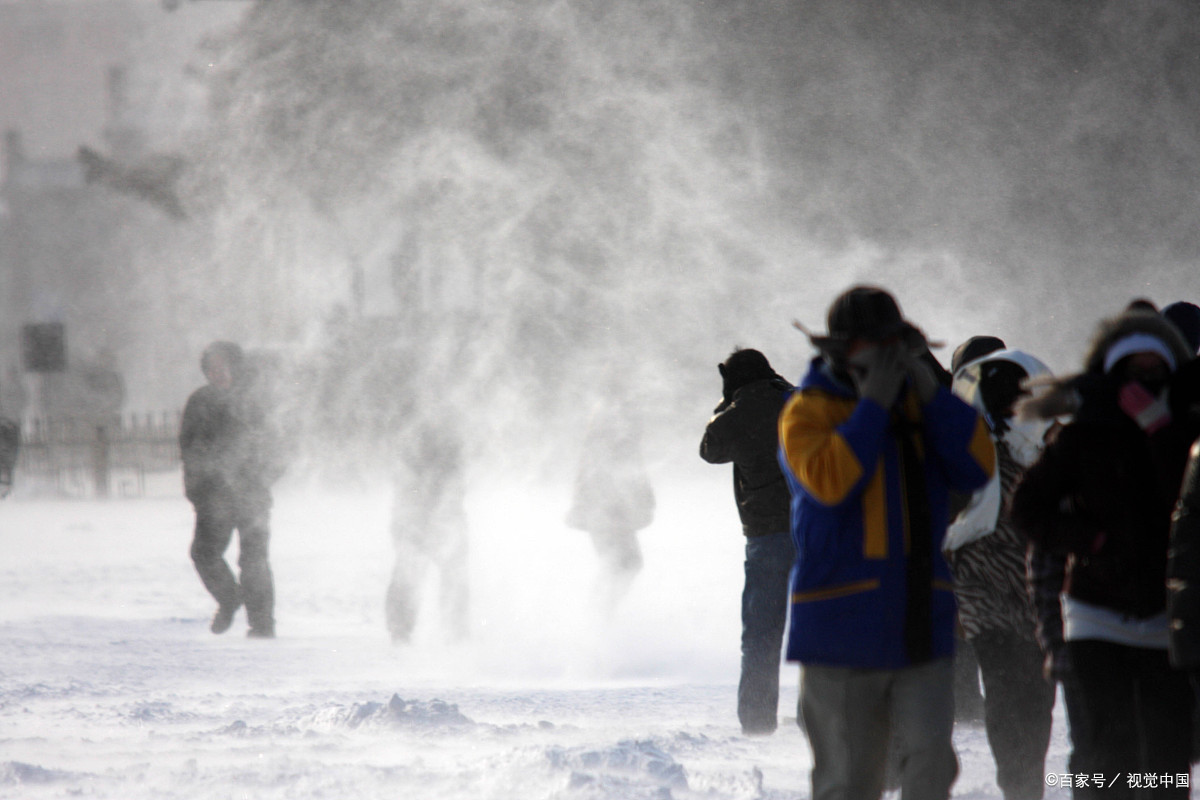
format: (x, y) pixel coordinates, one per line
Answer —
(229, 464)
(743, 431)
(1102, 493)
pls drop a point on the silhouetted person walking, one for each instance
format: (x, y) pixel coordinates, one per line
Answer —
(613, 497)
(429, 531)
(229, 464)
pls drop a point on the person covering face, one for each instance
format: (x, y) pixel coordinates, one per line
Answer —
(871, 444)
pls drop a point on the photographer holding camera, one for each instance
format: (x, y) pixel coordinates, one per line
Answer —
(872, 444)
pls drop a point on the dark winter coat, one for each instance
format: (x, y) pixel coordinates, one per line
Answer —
(1046, 574)
(1103, 490)
(745, 431)
(226, 445)
(1183, 570)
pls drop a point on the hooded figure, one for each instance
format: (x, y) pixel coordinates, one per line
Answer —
(748, 439)
(1101, 494)
(987, 556)
(974, 349)
(743, 432)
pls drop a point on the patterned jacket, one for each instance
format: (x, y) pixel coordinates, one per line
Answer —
(863, 479)
(989, 573)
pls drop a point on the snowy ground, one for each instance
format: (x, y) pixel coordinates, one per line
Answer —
(111, 685)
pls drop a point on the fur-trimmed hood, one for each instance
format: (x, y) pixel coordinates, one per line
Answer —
(1056, 397)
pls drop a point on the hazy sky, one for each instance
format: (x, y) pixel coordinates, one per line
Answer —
(648, 182)
(55, 56)
(53, 62)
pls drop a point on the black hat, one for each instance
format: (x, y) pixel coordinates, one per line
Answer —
(745, 366)
(863, 313)
(1186, 317)
(973, 348)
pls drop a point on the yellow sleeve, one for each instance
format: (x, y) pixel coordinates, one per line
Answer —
(818, 455)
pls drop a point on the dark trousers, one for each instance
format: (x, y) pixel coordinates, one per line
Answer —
(1080, 759)
(968, 699)
(218, 514)
(764, 613)
(1018, 707)
(1134, 717)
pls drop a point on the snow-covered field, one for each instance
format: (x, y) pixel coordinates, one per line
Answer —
(111, 685)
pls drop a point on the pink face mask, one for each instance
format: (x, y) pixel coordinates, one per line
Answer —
(1149, 411)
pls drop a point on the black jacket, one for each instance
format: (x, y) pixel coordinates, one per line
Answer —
(226, 444)
(745, 431)
(1103, 491)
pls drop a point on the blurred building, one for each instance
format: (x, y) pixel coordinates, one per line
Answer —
(87, 97)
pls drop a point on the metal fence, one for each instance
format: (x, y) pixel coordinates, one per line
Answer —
(88, 458)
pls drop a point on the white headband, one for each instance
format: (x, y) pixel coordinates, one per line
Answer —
(1138, 343)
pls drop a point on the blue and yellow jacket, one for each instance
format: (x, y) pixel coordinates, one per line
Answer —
(851, 512)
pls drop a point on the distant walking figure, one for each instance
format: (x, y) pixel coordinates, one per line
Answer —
(613, 496)
(229, 463)
(429, 531)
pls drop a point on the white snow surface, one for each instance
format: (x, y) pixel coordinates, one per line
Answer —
(112, 686)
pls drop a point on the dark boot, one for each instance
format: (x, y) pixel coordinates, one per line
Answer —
(224, 617)
(257, 582)
(264, 632)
